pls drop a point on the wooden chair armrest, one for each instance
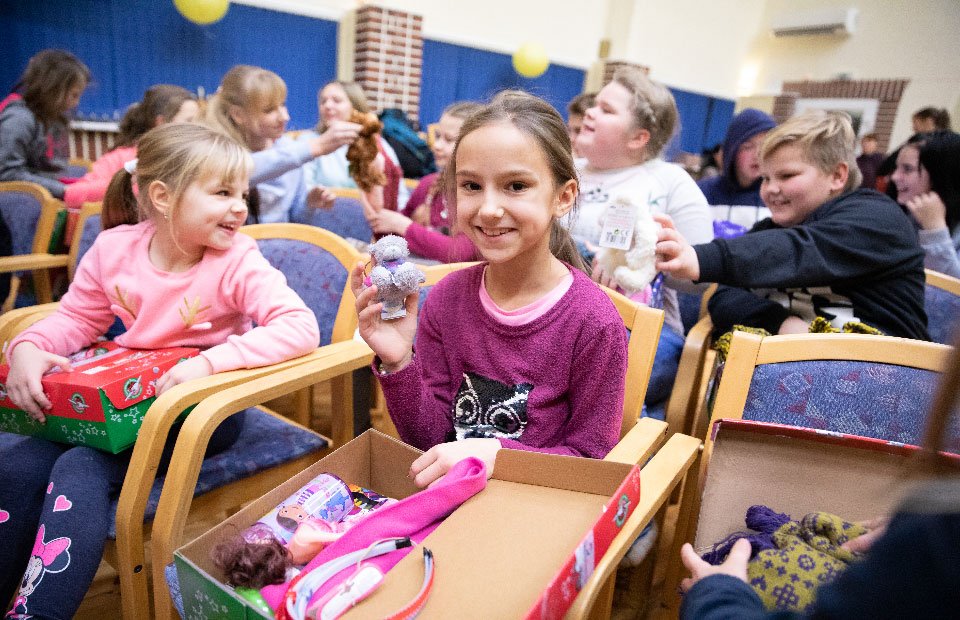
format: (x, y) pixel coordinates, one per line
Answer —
(639, 442)
(658, 479)
(338, 359)
(690, 373)
(155, 428)
(19, 319)
(32, 262)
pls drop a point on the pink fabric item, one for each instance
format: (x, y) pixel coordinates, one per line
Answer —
(428, 241)
(210, 306)
(528, 313)
(416, 516)
(92, 186)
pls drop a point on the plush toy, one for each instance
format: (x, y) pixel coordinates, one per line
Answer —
(394, 278)
(634, 269)
(364, 150)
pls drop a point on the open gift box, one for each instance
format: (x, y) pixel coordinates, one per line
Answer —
(101, 402)
(797, 471)
(521, 548)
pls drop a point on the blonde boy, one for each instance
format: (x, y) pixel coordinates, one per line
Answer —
(827, 250)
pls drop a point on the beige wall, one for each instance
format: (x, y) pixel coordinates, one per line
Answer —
(893, 39)
(716, 47)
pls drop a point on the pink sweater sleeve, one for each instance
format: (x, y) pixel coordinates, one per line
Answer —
(435, 245)
(93, 186)
(285, 329)
(83, 316)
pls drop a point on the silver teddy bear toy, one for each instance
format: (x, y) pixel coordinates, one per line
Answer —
(394, 278)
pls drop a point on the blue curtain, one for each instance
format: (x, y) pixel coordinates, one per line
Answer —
(457, 73)
(132, 44)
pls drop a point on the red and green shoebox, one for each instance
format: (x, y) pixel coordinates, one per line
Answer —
(101, 403)
(521, 548)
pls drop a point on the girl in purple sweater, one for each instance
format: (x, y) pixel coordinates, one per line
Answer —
(523, 351)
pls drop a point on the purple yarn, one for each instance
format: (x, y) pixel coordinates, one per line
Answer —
(763, 521)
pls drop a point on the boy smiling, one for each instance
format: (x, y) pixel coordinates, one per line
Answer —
(827, 250)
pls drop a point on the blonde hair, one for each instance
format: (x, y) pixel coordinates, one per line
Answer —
(653, 107)
(175, 154)
(358, 99)
(249, 88)
(826, 139)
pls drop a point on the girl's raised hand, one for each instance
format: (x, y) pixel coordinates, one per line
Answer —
(335, 136)
(929, 211)
(675, 256)
(27, 365)
(320, 197)
(193, 368)
(386, 222)
(391, 340)
(437, 461)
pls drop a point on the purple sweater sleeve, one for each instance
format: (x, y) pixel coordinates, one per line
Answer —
(573, 357)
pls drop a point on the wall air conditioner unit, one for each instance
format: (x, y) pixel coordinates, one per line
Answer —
(840, 21)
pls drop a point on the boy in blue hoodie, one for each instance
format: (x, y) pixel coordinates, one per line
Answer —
(738, 185)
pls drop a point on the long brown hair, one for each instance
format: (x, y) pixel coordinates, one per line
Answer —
(539, 120)
(49, 76)
(162, 100)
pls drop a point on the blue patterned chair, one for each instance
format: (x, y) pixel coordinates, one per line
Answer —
(30, 212)
(871, 386)
(942, 303)
(344, 218)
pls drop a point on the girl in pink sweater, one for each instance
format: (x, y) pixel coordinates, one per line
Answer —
(182, 276)
(523, 351)
(162, 103)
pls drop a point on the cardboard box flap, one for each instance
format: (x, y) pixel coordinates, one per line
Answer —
(796, 471)
(558, 472)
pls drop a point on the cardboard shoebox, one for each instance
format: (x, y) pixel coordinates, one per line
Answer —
(797, 471)
(521, 548)
(101, 402)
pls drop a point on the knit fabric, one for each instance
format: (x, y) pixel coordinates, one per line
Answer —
(552, 385)
(415, 517)
(791, 559)
(209, 306)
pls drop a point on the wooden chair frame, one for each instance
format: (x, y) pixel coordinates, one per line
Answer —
(693, 372)
(943, 281)
(747, 351)
(39, 262)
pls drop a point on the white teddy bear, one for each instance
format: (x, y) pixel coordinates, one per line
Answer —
(634, 269)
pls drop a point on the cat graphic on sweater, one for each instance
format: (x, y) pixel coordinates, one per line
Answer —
(486, 408)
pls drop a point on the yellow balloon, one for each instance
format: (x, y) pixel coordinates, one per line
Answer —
(202, 12)
(530, 60)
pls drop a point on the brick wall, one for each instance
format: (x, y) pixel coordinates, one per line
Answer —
(610, 67)
(886, 92)
(388, 58)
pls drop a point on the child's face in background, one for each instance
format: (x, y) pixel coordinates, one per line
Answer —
(506, 195)
(910, 177)
(793, 187)
(266, 123)
(210, 213)
(609, 136)
(445, 138)
(334, 104)
(187, 113)
(71, 98)
(574, 126)
(748, 160)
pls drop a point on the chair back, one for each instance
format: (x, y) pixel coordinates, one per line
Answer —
(30, 212)
(317, 266)
(643, 328)
(872, 386)
(344, 218)
(84, 234)
(942, 303)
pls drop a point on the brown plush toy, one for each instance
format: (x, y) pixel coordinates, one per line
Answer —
(364, 150)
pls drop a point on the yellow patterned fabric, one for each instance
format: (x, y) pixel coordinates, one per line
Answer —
(821, 325)
(722, 345)
(807, 555)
